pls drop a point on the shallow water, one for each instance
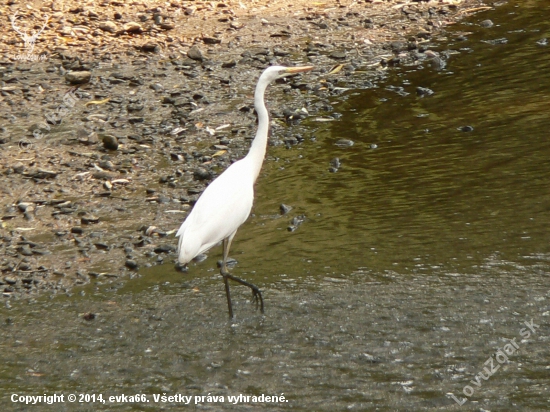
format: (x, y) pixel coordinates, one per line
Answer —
(418, 259)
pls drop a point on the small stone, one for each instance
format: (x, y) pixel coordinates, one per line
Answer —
(108, 26)
(134, 107)
(229, 64)
(334, 165)
(24, 206)
(211, 40)
(87, 220)
(110, 142)
(157, 87)
(78, 77)
(165, 249)
(166, 26)
(486, 24)
(133, 27)
(131, 264)
(25, 250)
(344, 143)
(202, 174)
(77, 230)
(150, 47)
(284, 209)
(466, 129)
(424, 91)
(195, 54)
(338, 55)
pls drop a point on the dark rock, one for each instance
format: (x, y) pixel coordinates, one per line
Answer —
(134, 107)
(165, 249)
(486, 24)
(150, 47)
(87, 220)
(202, 174)
(102, 246)
(25, 250)
(131, 264)
(211, 40)
(110, 142)
(466, 129)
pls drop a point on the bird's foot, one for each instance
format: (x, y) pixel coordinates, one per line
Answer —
(256, 293)
(257, 298)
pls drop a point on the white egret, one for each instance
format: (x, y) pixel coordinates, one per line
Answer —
(227, 201)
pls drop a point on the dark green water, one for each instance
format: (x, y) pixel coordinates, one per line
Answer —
(417, 261)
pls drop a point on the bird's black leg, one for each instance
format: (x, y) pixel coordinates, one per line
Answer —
(256, 293)
(224, 273)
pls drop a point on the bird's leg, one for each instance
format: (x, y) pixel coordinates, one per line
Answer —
(224, 273)
(256, 293)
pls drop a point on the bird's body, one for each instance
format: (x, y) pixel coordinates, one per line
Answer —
(229, 198)
(226, 203)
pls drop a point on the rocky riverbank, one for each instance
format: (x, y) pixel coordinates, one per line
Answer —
(118, 115)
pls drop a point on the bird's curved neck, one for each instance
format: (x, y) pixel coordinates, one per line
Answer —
(258, 148)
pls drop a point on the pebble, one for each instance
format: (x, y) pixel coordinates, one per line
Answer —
(194, 53)
(202, 174)
(132, 27)
(165, 249)
(486, 24)
(108, 26)
(78, 77)
(424, 91)
(344, 143)
(284, 209)
(86, 220)
(150, 47)
(110, 142)
(466, 129)
(334, 165)
(338, 55)
(211, 40)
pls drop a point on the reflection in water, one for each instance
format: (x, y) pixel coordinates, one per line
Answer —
(417, 260)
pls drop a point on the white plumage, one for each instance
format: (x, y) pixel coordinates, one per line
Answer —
(227, 201)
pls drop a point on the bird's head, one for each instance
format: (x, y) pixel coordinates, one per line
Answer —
(277, 72)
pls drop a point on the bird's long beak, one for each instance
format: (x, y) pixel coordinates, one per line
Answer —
(300, 69)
